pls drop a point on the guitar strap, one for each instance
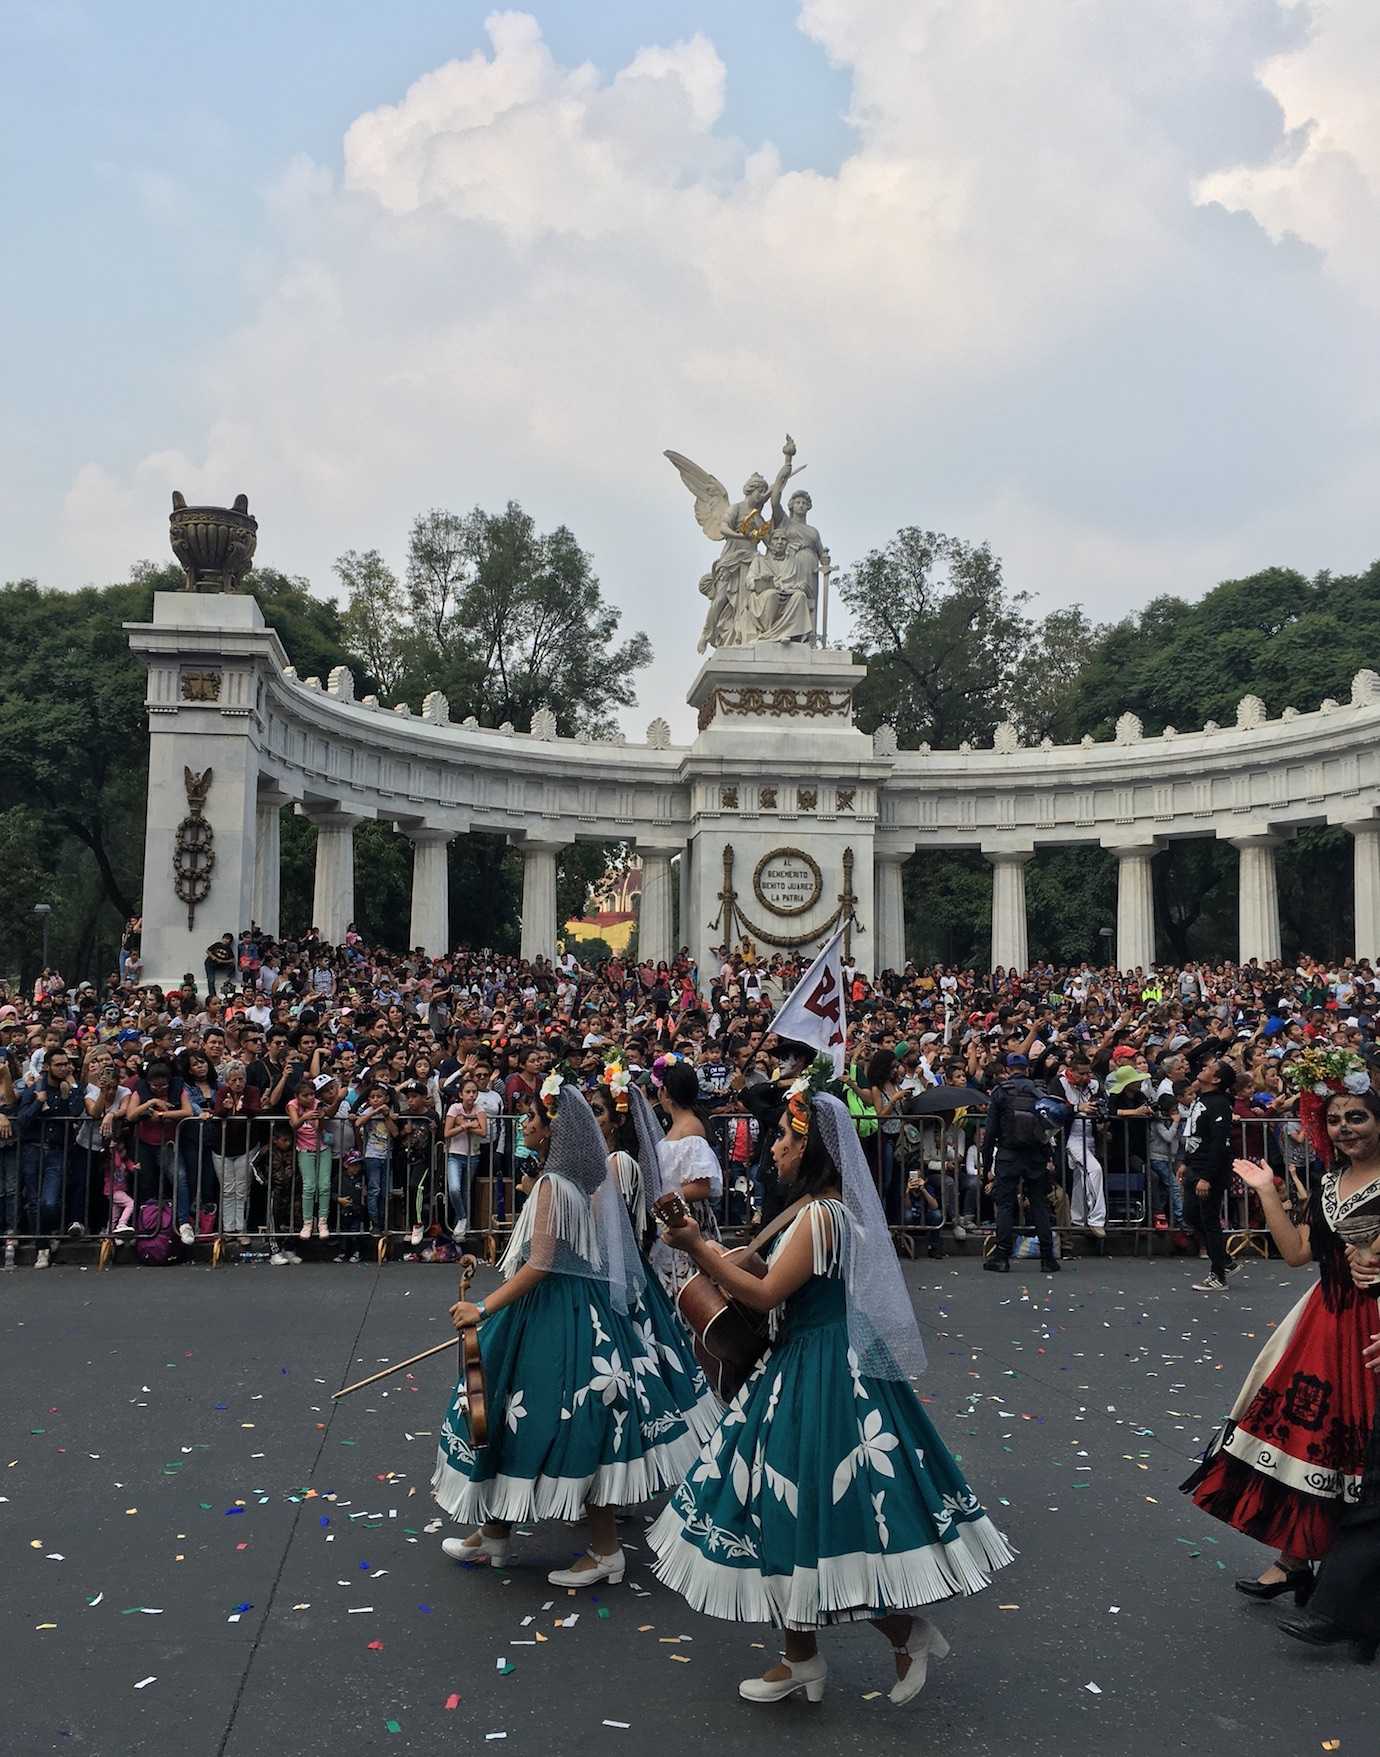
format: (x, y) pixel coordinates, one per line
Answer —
(782, 1221)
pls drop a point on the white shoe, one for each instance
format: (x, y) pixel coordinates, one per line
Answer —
(306, 1231)
(960, 1231)
(292, 1256)
(415, 1238)
(609, 1568)
(923, 1644)
(458, 1231)
(806, 1674)
(76, 1230)
(322, 1230)
(185, 1233)
(477, 1548)
(41, 1260)
(277, 1259)
(124, 1230)
(1210, 1284)
(9, 1256)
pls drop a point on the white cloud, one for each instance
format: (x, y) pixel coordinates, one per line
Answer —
(1009, 313)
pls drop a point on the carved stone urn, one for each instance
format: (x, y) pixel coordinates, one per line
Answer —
(215, 544)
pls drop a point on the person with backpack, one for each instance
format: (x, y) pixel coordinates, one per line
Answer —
(1015, 1146)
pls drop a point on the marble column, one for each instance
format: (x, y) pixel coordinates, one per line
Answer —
(683, 936)
(539, 898)
(654, 908)
(1365, 850)
(333, 895)
(1008, 907)
(430, 926)
(268, 860)
(1258, 899)
(889, 915)
(1135, 907)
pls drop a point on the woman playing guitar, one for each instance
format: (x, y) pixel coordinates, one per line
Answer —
(581, 1418)
(826, 1495)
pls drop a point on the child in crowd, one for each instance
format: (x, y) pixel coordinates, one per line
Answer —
(377, 1131)
(308, 1111)
(1166, 1128)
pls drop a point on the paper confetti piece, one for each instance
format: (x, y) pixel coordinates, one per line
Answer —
(95, 1601)
(144, 1683)
(392, 1726)
(625, 1724)
(1093, 1689)
(54, 1626)
(871, 1695)
(1332, 1744)
(495, 1735)
(682, 1658)
(358, 1610)
(376, 1647)
(453, 1700)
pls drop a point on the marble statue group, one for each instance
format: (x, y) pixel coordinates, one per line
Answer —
(765, 581)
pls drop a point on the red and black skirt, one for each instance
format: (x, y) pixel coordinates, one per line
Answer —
(1292, 1454)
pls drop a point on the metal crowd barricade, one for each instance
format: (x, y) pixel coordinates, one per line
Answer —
(51, 1180)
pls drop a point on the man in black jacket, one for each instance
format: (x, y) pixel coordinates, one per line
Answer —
(1206, 1167)
(1015, 1141)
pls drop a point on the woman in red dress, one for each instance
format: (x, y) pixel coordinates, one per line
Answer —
(1292, 1454)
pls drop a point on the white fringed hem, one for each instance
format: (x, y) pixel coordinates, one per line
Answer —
(704, 1418)
(562, 1497)
(842, 1589)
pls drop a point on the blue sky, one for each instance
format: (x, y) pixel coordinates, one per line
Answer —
(1096, 283)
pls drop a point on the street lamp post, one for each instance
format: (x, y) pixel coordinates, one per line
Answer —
(43, 911)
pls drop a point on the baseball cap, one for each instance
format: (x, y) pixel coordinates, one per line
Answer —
(1017, 1061)
(1126, 1054)
(323, 1080)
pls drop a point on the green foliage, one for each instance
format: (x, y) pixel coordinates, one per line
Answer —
(499, 617)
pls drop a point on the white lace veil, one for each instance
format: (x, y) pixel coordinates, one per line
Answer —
(575, 1222)
(649, 1139)
(882, 1330)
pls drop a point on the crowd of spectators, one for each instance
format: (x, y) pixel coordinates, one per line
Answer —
(305, 1094)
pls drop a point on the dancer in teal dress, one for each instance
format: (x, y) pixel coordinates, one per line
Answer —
(826, 1495)
(625, 1121)
(582, 1416)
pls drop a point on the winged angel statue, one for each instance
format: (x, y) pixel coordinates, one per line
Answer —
(754, 596)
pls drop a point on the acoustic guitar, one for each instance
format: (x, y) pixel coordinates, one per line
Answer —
(727, 1338)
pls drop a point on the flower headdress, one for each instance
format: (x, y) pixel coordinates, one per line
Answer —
(660, 1065)
(551, 1085)
(617, 1078)
(1321, 1070)
(814, 1080)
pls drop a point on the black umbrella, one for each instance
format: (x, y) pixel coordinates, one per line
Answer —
(936, 1100)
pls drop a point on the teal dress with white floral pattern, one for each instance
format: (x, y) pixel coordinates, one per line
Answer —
(587, 1406)
(825, 1496)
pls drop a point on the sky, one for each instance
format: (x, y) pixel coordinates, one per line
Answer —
(1097, 283)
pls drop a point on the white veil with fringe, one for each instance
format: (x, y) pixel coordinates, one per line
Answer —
(882, 1331)
(575, 1221)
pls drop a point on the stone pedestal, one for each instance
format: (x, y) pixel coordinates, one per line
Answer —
(204, 653)
(783, 799)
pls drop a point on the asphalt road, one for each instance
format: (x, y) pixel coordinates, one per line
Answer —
(171, 1586)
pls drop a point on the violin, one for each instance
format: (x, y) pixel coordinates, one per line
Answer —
(472, 1365)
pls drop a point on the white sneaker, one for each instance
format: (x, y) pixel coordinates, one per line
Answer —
(124, 1230)
(458, 1231)
(41, 1260)
(807, 1674)
(960, 1231)
(610, 1568)
(416, 1236)
(278, 1260)
(291, 1257)
(476, 1548)
(185, 1233)
(923, 1644)
(9, 1255)
(1211, 1284)
(76, 1230)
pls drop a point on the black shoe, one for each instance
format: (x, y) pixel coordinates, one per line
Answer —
(1323, 1632)
(998, 1265)
(1299, 1582)
(935, 1251)
(1050, 1266)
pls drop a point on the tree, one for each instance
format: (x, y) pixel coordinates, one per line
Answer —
(942, 636)
(374, 625)
(506, 620)
(1045, 677)
(439, 563)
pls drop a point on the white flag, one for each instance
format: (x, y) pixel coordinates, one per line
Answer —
(814, 1011)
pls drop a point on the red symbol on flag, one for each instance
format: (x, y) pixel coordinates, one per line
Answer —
(824, 1003)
